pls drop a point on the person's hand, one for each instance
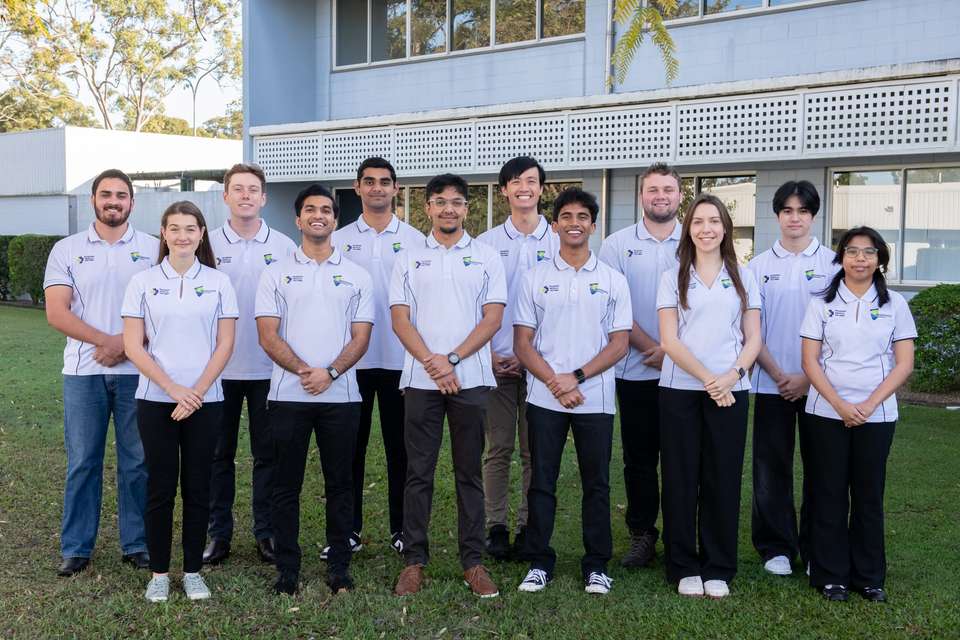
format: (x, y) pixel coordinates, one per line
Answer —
(721, 385)
(507, 366)
(110, 353)
(315, 380)
(186, 396)
(792, 386)
(866, 409)
(437, 365)
(448, 384)
(653, 357)
(571, 399)
(181, 412)
(850, 414)
(726, 400)
(562, 383)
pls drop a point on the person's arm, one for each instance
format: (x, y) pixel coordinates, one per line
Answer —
(903, 367)
(810, 358)
(226, 331)
(268, 329)
(722, 385)
(133, 340)
(316, 380)
(482, 333)
(611, 354)
(533, 362)
(678, 352)
(109, 348)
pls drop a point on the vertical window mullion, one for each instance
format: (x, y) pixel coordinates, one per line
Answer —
(903, 225)
(369, 31)
(493, 22)
(406, 205)
(409, 35)
(539, 12)
(489, 207)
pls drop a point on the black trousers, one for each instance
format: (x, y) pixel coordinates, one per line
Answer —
(593, 439)
(384, 384)
(848, 470)
(640, 434)
(423, 435)
(223, 479)
(177, 451)
(701, 456)
(334, 425)
(774, 518)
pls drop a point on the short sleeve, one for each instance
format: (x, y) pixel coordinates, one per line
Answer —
(266, 304)
(812, 325)
(228, 300)
(608, 254)
(398, 281)
(753, 289)
(58, 266)
(622, 316)
(134, 298)
(365, 311)
(290, 248)
(667, 291)
(525, 313)
(904, 326)
(497, 280)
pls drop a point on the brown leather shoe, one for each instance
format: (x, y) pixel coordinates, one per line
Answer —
(410, 580)
(479, 581)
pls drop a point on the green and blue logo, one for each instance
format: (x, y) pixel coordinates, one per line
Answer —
(541, 255)
(726, 282)
(268, 258)
(396, 247)
(135, 256)
(468, 261)
(338, 280)
(595, 288)
(874, 314)
(201, 290)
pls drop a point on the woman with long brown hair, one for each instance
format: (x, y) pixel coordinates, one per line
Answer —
(709, 312)
(178, 326)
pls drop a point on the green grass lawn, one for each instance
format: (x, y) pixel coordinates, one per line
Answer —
(923, 529)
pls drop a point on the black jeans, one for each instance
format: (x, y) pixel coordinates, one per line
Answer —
(701, 456)
(593, 439)
(335, 427)
(774, 518)
(640, 434)
(848, 472)
(223, 479)
(423, 434)
(384, 384)
(177, 451)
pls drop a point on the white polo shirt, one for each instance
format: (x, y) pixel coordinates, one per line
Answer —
(573, 313)
(857, 350)
(98, 273)
(446, 290)
(787, 283)
(244, 261)
(641, 258)
(710, 328)
(180, 315)
(317, 304)
(519, 253)
(377, 252)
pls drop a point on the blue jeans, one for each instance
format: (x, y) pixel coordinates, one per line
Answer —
(88, 402)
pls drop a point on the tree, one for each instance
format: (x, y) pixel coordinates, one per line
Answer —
(224, 64)
(226, 126)
(639, 18)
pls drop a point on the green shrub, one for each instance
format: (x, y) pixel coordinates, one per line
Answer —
(937, 314)
(27, 259)
(4, 267)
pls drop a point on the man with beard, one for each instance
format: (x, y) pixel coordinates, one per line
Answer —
(84, 282)
(641, 252)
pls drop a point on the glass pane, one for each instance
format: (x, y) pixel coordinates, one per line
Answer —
(562, 17)
(476, 222)
(685, 9)
(688, 191)
(388, 29)
(516, 20)
(351, 32)
(870, 198)
(739, 193)
(774, 3)
(429, 27)
(501, 210)
(932, 238)
(471, 24)
(720, 6)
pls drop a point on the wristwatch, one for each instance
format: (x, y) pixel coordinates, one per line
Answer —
(453, 358)
(579, 375)
(741, 372)
(334, 374)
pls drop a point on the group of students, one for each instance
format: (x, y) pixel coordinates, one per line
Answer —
(519, 336)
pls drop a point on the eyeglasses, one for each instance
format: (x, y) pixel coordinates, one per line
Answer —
(456, 203)
(868, 252)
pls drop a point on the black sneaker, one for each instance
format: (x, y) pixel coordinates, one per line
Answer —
(517, 551)
(286, 583)
(339, 582)
(354, 542)
(498, 542)
(873, 594)
(835, 592)
(643, 549)
(396, 542)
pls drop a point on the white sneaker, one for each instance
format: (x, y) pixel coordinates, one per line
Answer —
(690, 586)
(598, 582)
(158, 589)
(808, 569)
(195, 587)
(716, 589)
(355, 545)
(536, 580)
(778, 566)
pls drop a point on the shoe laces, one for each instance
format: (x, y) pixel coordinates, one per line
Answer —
(157, 586)
(194, 582)
(640, 543)
(600, 578)
(539, 576)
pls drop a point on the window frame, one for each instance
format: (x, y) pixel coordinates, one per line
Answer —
(764, 9)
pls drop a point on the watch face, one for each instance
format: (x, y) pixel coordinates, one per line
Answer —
(453, 358)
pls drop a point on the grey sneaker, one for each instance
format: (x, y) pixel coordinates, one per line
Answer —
(195, 587)
(643, 548)
(158, 589)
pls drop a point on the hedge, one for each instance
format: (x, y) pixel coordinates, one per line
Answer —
(27, 260)
(4, 268)
(937, 363)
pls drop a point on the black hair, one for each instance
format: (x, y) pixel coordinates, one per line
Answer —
(576, 194)
(883, 259)
(112, 173)
(376, 162)
(315, 189)
(513, 168)
(803, 189)
(438, 183)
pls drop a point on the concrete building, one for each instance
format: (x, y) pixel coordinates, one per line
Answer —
(47, 176)
(857, 96)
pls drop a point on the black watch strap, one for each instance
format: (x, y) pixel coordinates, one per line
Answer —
(581, 378)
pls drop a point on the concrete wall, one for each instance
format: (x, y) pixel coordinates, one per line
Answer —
(44, 215)
(149, 206)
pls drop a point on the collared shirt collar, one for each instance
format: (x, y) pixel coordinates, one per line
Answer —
(463, 242)
(511, 230)
(303, 258)
(93, 236)
(233, 237)
(720, 274)
(170, 273)
(848, 296)
(781, 252)
(644, 234)
(392, 227)
(562, 265)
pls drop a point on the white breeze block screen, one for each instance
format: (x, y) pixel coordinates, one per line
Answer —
(888, 118)
(288, 157)
(343, 152)
(621, 137)
(435, 149)
(542, 138)
(767, 126)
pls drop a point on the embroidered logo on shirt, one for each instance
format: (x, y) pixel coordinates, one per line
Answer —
(200, 291)
(505, 252)
(772, 276)
(160, 292)
(229, 259)
(811, 274)
(541, 255)
(338, 280)
(874, 314)
(347, 248)
(634, 252)
(421, 263)
(726, 282)
(289, 279)
(135, 256)
(397, 246)
(268, 258)
(839, 313)
(595, 288)
(467, 261)
(547, 288)
(82, 259)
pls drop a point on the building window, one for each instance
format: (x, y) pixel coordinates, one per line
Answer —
(916, 210)
(712, 8)
(501, 209)
(369, 31)
(739, 194)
